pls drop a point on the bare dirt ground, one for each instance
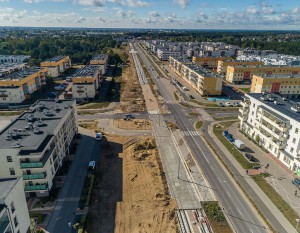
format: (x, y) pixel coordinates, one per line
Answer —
(130, 192)
(136, 124)
(132, 99)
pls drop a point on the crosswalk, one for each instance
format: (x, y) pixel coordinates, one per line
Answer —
(190, 133)
(155, 112)
(203, 114)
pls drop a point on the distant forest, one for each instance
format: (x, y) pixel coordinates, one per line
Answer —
(79, 48)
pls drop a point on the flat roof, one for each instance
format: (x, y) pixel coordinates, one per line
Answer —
(55, 59)
(19, 75)
(202, 71)
(33, 129)
(85, 71)
(7, 67)
(279, 76)
(6, 185)
(99, 57)
(264, 66)
(283, 107)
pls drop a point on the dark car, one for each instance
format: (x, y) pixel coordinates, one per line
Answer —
(251, 158)
(129, 117)
(192, 97)
(296, 182)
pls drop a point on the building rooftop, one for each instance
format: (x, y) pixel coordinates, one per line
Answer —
(9, 67)
(21, 74)
(55, 59)
(280, 104)
(99, 57)
(86, 71)
(34, 128)
(6, 185)
(202, 71)
(279, 76)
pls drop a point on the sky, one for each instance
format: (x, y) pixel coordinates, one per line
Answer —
(172, 14)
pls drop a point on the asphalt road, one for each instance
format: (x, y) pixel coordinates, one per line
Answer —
(238, 210)
(140, 115)
(65, 209)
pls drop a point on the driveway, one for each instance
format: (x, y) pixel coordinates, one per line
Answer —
(280, 178)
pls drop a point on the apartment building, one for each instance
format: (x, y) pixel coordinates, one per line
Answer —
(18, 86)
(8, 68)
(102, 61)
(36, 143)
(57, 65)
(274, 123)
(202, 80)
(287, 85)
(13, 59)
(222, 64)
(86, 82)
(209, 62)
(243, 74)
(14, 215)
(164, 54)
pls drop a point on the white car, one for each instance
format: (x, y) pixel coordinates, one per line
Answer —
(228, 104)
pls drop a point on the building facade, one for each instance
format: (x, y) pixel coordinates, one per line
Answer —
(18, 86)
(57, 65)
(243, 74)
(14, 215)
(209, 62)
(13, 59)
(222, 65)
(202, 80)
(36, 143)
(102, 61)
(274, 123)
(86, 82)
(287, 85)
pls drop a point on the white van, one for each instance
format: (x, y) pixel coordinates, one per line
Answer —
(98, 136)
(92, 165)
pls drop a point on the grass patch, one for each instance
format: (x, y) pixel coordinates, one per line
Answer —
(246, 90)
(277, 200)
(218, 131)
(176, 96)
(86, 191)
(204, 104)
(222, 109)
(38, 216)
(87, 112)
(10, 113)
(95, 105)
(216, 217)
(199, 124)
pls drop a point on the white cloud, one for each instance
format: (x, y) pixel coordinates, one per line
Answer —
(98, 3)
(252, 10)
(182, 3)
(154, 14)
(267, 9)
(32, 1)
(4, 0)
(137, 3)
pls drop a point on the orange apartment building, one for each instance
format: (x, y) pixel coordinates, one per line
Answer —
(209, 62)
(222, 65)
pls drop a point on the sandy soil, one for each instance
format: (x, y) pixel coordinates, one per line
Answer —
(136, 124)
(89, 124)
(131, 195)
(132, 99)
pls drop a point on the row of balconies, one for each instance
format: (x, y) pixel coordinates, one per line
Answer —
(35, 176)
(36, 187)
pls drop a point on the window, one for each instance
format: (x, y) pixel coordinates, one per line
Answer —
(286, 159)
(16, 221)
(296, 130)
(294, 140)
(9, 159)
(12, 171)
(12, 207)
(292, 150)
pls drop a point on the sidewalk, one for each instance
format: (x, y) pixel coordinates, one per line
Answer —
(265, 205)
(281, 176)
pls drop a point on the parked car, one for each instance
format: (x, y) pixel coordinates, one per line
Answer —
(228, 104)
(129, 117)
(296, 182)
(221, 104)
(251, 158)
(191, 97)
(60, 88)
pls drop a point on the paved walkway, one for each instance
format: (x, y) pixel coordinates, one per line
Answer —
(281, 176)
(262, 201)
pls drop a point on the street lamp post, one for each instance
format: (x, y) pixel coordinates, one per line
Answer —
(297, 220)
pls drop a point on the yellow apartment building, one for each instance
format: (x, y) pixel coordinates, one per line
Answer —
(286, 85)
(243, 74)
(222, 65)
(202, 80)
(18, 86)
(57, 65)
(209, 62)
(100, 60)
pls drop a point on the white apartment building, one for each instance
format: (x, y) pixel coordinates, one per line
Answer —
(35, 144)
(57, 65)
(18, 86)
(13, 58)
(8, 68)
(164, 54)
(273, 122)
(86, 82)
(102, 61)
(14, 216)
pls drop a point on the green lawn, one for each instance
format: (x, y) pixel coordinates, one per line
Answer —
(199, 124)
(176, 96)
(247, 89)
(12, 113)
(95, 105)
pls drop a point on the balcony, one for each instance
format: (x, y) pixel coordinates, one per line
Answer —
(31, 165)
(36, 187)
(4, 222)
(35, 176)
(245, 104)
(242, 117)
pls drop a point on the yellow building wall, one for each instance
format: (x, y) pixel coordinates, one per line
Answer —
(83, 80)
(58, 63)
(211, 62)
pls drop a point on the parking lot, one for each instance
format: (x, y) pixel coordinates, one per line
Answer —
(281, 177)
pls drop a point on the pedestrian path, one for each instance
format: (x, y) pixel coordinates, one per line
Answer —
(175, 102)
(190, 133)
(155, 112)
(204, 115)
